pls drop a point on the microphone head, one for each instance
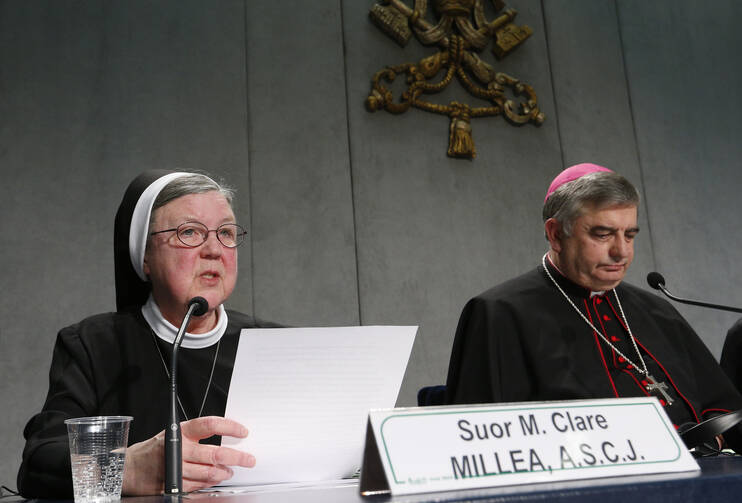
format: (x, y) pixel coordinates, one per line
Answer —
(655, 280)
(201, 306)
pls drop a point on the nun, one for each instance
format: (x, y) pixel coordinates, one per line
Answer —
(175, 237)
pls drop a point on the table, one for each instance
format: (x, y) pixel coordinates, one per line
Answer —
(720, 481)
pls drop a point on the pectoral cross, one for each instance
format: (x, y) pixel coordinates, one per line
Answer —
(661, 386)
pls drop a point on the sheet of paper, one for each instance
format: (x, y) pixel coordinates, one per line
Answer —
(282, 487)
(304, 395)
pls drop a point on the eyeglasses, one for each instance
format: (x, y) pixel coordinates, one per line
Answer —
(193, 234)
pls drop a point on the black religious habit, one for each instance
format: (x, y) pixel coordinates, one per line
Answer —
(109, 364)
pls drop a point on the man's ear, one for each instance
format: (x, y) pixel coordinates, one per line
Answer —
(554, 233)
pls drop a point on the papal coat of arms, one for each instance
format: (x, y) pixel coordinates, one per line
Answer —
(461, 32)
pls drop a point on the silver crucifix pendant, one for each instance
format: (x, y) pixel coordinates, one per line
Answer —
(660, 386)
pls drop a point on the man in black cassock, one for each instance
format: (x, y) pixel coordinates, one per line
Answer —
(571, 329)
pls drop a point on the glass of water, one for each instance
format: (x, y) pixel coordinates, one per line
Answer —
(97, 450)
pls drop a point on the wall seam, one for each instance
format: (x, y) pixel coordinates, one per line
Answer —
(350, 163)
(248, 134)
(636, 136)
(553, 88)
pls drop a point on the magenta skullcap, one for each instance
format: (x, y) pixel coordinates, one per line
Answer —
(573, 173)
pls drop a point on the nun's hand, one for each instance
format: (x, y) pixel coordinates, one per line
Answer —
(203, 465)
(207, 465)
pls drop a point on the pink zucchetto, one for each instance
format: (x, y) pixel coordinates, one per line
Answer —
(573, 173)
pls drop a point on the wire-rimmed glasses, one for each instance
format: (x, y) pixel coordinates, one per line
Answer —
(193, 234)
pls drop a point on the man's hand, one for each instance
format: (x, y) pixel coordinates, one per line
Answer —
(203, 465)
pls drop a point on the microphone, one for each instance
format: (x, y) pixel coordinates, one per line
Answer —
(197, 306)
(201, 306)
(657, 281)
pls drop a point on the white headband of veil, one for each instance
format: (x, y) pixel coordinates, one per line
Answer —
(139, 228)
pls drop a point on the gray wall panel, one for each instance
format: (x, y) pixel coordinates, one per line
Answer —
(590, 82)
(302, 213)
(683, 83)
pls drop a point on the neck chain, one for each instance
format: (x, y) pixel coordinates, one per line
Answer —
(208, 386)
(653, 383)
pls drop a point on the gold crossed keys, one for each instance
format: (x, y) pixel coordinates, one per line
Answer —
(461, 31)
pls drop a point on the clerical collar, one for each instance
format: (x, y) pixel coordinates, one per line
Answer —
(569, 285)
(167, 331)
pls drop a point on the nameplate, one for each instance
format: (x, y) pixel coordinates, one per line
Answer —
(426, 449)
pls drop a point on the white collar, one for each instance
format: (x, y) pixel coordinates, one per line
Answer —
(592, 293)
(167, 331)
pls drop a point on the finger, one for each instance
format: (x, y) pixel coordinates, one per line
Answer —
(216, 455)
(195, 485)
(204, 427)
(206, 474)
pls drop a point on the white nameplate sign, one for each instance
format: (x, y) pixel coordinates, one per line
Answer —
(427, 449)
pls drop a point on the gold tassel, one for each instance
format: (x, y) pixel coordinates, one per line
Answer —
(460, 141)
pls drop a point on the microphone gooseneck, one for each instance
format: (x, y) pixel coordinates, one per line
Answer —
(657, 281)
(197, 306)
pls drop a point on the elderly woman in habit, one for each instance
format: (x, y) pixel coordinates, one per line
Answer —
(175, 238)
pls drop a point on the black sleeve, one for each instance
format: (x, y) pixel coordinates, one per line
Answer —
(487, 361)
(731, 355)
(715, 391)
(731, 363)
(45, 470)
(718, 394)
